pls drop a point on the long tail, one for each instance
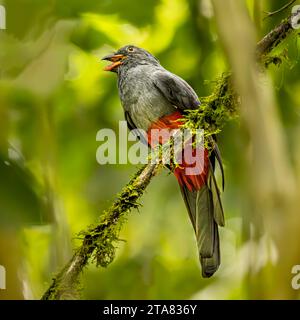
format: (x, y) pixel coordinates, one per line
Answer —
(202, 199)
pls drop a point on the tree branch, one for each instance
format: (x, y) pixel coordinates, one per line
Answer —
(275, 37)
(98, 241)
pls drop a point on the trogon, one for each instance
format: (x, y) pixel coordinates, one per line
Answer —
(154, 98)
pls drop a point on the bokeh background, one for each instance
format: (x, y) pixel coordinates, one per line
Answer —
(54, 97)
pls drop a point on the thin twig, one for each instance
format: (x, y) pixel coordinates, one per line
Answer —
(286, 6)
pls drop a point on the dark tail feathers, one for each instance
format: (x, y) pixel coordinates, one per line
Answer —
(206, 213)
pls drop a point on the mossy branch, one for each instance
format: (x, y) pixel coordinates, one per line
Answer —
(98, 242)
(275, 37)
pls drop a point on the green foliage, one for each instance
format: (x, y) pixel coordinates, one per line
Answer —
(18, 183)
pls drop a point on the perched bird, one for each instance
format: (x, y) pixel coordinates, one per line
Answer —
(154, 98)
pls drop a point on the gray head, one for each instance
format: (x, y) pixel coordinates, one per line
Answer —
(129, 57)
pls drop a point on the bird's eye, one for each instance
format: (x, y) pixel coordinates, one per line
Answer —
(130, 49)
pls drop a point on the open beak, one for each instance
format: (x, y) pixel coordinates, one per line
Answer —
(116, 60)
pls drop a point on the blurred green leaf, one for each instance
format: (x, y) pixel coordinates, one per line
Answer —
(20, 204)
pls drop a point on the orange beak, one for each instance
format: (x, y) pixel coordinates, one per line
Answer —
(116, 60)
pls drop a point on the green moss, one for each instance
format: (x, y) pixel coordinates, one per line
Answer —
(102, 238)
(98, 241)
(215, 110)
(276, 59)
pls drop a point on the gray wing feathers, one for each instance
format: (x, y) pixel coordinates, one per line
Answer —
(130, 123)
(178, 92)
(217, 154)
(205, 222)
(190, 203)
(217, 204)
(132, 126)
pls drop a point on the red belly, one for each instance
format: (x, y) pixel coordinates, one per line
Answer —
(192, 181)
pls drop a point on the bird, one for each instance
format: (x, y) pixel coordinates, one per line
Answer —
(155, 98)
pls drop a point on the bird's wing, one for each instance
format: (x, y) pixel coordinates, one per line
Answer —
(131, 126)
(177, 91)
(130, 123)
